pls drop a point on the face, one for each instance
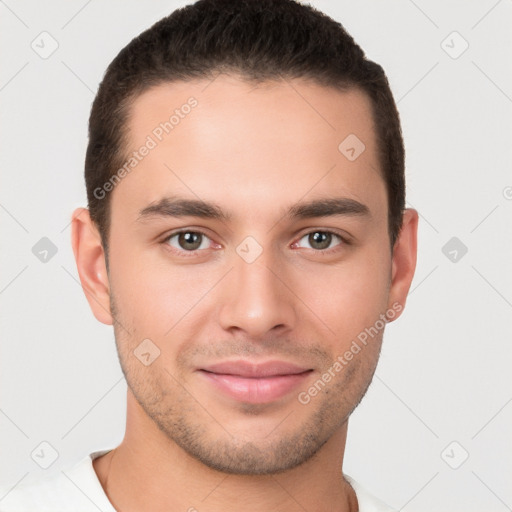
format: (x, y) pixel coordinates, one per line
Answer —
(249, 256)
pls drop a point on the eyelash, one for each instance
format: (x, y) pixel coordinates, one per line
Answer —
(194, 253)
(326, 252)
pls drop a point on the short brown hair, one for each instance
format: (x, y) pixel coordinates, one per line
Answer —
(258, 40)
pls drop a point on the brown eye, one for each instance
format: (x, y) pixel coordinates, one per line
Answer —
(188, 241)
(320, 240)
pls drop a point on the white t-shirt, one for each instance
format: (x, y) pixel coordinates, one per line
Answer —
(79, 490)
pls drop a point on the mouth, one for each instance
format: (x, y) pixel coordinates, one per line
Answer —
(255, 383)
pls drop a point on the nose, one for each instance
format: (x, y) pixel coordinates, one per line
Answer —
(257, 299)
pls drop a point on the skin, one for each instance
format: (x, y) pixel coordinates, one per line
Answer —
(254, 150)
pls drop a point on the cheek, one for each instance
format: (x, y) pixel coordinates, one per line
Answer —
(350, 297)
(153, 294)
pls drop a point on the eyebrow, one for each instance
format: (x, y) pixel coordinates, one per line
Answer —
(328, 208)
(179, 207)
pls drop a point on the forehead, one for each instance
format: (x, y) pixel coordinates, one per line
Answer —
(250, 144)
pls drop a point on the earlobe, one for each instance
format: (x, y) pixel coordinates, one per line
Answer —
(91, 265)
(404, 261)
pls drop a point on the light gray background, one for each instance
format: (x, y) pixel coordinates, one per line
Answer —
(444, 374)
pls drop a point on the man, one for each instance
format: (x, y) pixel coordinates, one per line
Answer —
(246, 237)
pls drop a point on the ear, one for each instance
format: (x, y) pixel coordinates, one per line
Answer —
(404, 262)
(91, 265)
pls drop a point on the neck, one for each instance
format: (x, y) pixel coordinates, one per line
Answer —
(149, 472)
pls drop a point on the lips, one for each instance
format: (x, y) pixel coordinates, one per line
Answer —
(255, 383)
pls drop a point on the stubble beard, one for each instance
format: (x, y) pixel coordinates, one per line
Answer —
(185, 422)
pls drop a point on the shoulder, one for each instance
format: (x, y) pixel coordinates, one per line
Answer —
(367, 502)
(70, 490)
